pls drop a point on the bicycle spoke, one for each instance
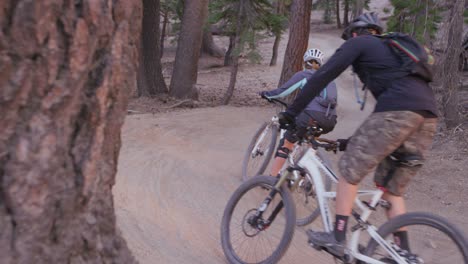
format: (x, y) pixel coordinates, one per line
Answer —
(248, 243)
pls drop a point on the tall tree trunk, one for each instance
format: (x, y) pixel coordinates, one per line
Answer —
(184, 76)
(338, 20)
(66, 70)
(298, 38)
(346, 13)
(208, 45)
(163, 31)
(280, 11)
(235, 58)
(450, 71)
(357, 8)
(228, 60)
(274, 56)
(151, 81)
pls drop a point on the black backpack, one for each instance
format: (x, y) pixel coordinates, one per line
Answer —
(415, 59)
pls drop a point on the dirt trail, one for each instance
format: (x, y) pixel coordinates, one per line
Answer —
(177, 170)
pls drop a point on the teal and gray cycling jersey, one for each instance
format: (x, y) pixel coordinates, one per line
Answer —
(325, 102)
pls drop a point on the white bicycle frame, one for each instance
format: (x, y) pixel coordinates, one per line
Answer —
(313, 164)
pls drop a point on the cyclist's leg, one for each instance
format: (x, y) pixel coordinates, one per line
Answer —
(394, 176)
(379, 135)
(286, 144)
(284, 148)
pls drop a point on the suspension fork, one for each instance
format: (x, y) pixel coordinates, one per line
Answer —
(270, 198)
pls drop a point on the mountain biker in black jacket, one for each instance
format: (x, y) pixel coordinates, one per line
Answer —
(392, 140)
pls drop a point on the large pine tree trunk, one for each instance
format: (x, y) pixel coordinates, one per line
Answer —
(184, 76)
(151, 81)
(298, 38)
(66, 70)
(450, 72)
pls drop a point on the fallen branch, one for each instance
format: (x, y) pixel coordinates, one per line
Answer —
(178, 104)
(133, 112)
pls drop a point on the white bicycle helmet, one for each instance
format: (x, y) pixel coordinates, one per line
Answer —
(313, 54)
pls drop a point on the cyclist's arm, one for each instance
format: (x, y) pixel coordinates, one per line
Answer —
(297, 81)
(343, 57)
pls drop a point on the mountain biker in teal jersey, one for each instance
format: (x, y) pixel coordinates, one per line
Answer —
(320, 111)
(392, 141)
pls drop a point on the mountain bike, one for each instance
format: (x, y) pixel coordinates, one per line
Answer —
(262, 145)
(259, 153)
(263, 213)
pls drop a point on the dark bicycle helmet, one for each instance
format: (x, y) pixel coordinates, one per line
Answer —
(366, 20)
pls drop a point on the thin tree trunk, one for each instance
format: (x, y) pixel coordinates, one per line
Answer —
(67, 69)
(298, 38)
(228, 57)
(346, 13)
(338, 20)
(235, 59)
(184, 76)
(274, 56)
(163, 31)
(152, 81)
(358, 7)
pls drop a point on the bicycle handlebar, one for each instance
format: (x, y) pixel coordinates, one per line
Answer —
(274, 100)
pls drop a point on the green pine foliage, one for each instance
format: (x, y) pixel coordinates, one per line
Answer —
(258, 20)
(418, 18)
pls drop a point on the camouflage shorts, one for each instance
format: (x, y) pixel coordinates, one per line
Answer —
(403, 133)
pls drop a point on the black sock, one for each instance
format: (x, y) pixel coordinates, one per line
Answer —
(341, 224)
(401, 239)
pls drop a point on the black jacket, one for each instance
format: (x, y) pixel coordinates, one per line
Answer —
(377, 67)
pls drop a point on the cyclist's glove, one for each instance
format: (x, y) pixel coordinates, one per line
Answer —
(285, 120)
(342, 144)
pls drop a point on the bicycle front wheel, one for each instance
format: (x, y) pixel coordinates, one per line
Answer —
(247, 237)
(432, 240)
(260, 149)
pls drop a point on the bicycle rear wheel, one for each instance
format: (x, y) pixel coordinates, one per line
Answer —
(260, 149)
(246, 238)
(431, 238)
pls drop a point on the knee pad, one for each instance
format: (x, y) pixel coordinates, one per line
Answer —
(409, 160)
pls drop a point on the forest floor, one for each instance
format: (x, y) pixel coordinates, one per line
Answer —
(178, 166)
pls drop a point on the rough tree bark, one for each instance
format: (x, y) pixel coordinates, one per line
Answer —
(184, 76)
(66, 70)
(299, 28)
(449, 70)
(150, 78)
